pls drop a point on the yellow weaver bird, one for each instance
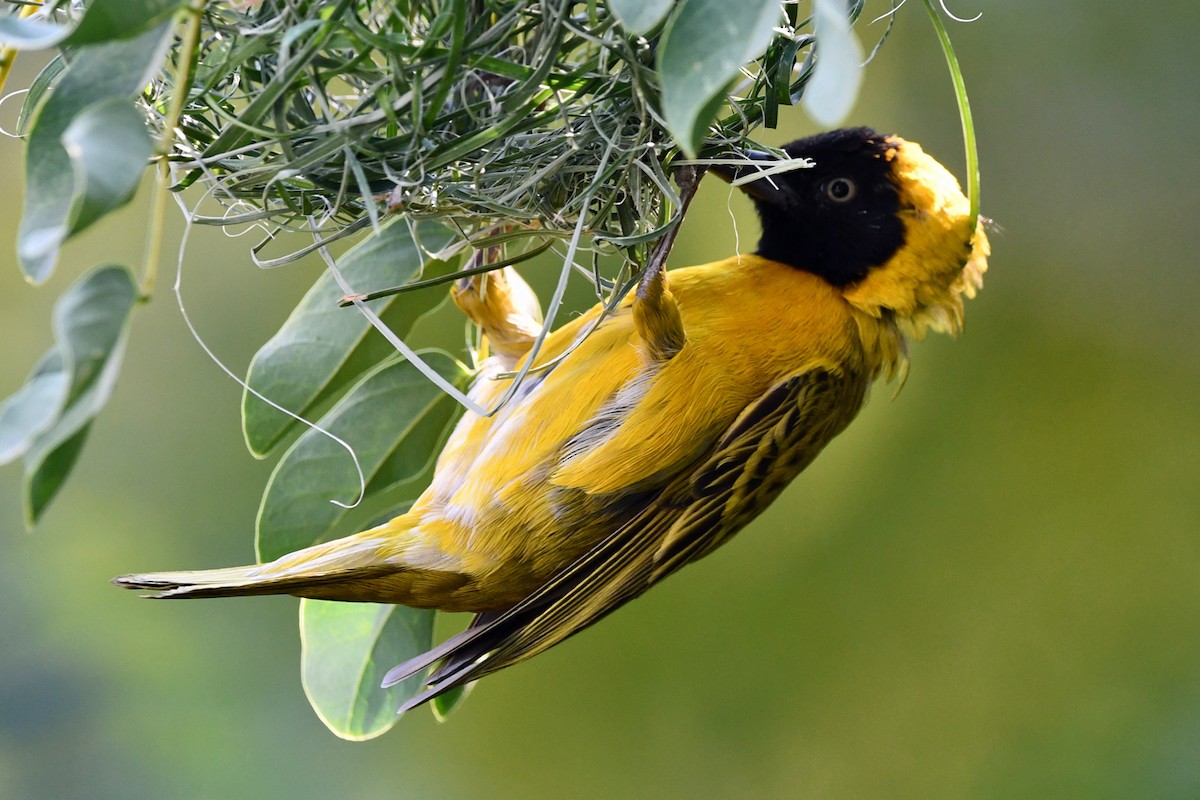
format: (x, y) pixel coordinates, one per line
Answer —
(675, 423)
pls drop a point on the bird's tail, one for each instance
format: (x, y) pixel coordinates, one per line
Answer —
(353, 568)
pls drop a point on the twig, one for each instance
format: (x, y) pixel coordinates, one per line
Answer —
(688, 178)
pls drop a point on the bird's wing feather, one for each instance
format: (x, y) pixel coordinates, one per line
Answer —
(765, 447)
(768, 445)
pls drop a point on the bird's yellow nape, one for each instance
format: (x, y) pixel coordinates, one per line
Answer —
(924, 283)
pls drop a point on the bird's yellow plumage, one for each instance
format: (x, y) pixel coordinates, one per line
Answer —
(678, 418)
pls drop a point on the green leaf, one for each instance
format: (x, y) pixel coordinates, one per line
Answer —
(97, 74)
(30, 34)
(42, 84)
(400, 316)
(110, 20)
(346, 648)
(394, 418)
(443, 704)
(33, 407)
(321, 348)
(640, 16)
(46, 472)
(103, 21)
(90, 329)
(704, 45)
(837, 73)
(109, 147)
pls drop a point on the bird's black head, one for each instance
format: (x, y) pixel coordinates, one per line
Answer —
(837, 219)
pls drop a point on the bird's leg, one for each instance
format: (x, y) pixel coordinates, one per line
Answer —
(655, 312)
(656, 317)
(502, 305)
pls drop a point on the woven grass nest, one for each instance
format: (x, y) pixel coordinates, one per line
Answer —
(504, 119)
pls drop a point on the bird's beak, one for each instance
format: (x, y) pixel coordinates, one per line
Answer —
(765, 189)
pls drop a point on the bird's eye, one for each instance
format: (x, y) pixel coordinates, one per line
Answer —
(840, 190)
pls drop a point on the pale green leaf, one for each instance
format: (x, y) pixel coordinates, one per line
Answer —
(47, 470)
(443, 704)
(109, 20)
(320, 347)
(704, 46)
(38, 90)
(97, 74)
(34, 407)
(30, 34)
(90, 329)
(346, 650)
(400, 316)
(837, 73)
(393, 418)
(641, 16)
(103, 21)
(109, 147)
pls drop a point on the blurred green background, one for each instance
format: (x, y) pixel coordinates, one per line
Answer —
(985, 589)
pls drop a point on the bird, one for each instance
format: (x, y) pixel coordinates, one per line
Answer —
(682, 413)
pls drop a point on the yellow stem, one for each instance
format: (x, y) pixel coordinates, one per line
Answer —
(154, 237)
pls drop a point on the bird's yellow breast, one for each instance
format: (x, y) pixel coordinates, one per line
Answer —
(519, 495)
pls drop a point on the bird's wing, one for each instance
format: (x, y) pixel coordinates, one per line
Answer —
(767, 446)
(764, 448)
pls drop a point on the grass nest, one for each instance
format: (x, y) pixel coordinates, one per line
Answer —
(504, 119)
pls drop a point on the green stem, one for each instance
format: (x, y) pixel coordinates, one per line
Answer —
(154, 238)
(964, 113)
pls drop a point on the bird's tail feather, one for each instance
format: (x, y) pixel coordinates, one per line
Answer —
(345, 569)
(243, 582)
